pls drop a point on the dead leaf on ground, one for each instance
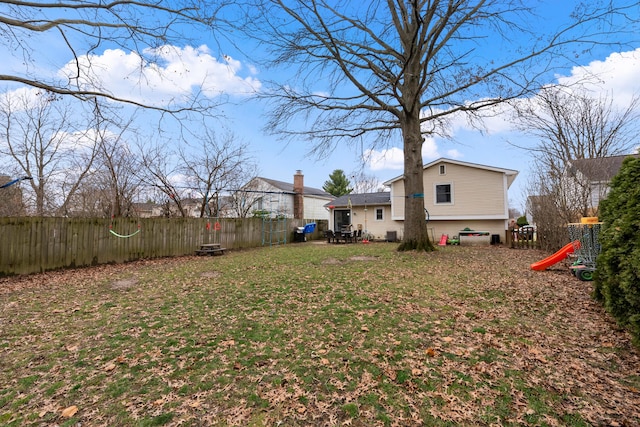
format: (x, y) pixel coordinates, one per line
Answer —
(48, 408)
(70, 411)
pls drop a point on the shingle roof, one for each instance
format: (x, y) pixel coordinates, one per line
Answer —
(362, 199)
(288, 188)
(601, 169)
(510, 173)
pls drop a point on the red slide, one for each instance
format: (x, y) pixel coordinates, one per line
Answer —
(555, 258)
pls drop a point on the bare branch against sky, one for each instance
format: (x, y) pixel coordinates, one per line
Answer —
(79, 30)
(396, 68)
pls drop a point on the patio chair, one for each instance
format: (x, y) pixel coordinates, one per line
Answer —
(330, 236)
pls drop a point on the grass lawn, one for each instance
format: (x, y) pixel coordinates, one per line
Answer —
(314, 334)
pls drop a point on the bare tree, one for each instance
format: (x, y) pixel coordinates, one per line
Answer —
(159, 170)
(114, 181)
(243, 202)
(571, 125)
(12, 196)
(406, 66)
(364, 183)
(39, 133)
(542, 208)
(219, 163)
(88, 26)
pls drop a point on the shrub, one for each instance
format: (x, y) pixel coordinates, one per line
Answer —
(617, 278)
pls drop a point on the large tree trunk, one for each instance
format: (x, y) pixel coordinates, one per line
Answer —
(415, 225)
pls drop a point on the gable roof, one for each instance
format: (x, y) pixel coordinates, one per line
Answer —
(287, 187)
(510, 173)
(601, 169)
(362, 199)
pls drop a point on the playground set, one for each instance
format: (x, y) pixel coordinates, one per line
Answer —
(584, 249)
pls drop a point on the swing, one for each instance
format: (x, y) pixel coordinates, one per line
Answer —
(122, 236)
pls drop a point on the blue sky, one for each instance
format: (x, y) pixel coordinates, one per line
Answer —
(235, 76)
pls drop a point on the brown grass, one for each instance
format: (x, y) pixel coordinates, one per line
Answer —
(314, 334)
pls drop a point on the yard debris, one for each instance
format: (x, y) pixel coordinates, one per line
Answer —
(69, 411)
(263, 344)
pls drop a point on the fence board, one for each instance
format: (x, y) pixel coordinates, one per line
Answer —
(517, 240)
(37, 244)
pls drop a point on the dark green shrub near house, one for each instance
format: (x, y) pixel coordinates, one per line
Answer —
(617, 278)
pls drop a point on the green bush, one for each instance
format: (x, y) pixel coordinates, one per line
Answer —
(617, 277)
(261, 214)
(522, 221)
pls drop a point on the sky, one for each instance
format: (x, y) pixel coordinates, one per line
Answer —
(220, 73)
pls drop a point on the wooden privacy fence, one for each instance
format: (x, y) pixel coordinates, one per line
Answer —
(37, 244)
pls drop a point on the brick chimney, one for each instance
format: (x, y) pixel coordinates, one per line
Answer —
(298, 197)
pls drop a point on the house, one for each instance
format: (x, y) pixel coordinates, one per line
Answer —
(457, 196)
(594, 176)
(279, 198)
(147, 210)
(220, 207)
(368, 212)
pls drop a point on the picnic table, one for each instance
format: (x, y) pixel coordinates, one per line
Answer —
(210, 249)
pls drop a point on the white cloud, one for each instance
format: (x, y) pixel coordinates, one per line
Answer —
(454, 154)
(616, 76)
(173, 75)
(393, 158)
(430, 149)
(388, 159)
(24, 98)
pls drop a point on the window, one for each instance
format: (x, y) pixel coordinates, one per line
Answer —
(443, 170)
(379, 214)
(444, 193)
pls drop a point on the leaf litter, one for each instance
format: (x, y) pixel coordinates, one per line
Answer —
(315, 335)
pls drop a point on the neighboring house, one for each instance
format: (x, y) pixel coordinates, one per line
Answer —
(147, 210)
(192, 208)
(594, 176)
(279, 198)
(457, 195)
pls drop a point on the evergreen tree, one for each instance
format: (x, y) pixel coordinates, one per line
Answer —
(617, 277)
(338, 184)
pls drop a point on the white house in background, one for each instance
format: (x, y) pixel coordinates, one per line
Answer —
(280, 198)
(457, 196)
(148, 210)
(594, 177)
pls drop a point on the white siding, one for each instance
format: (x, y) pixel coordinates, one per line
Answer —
(314, 208)
(476, 193)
